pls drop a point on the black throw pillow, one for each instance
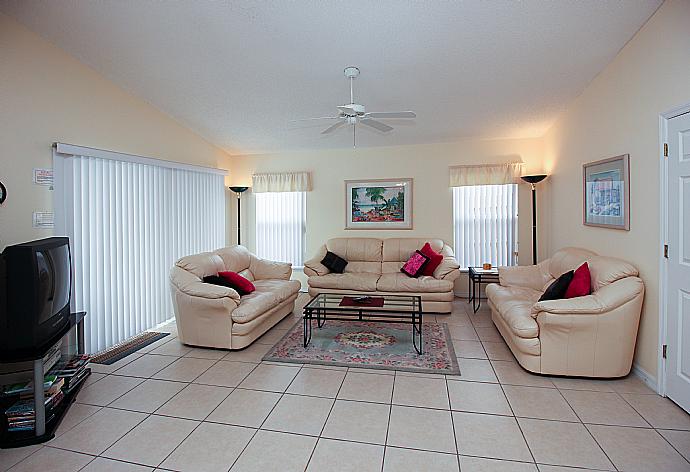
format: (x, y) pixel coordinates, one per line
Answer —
(334, 262)
(557, 289)
(217, 280)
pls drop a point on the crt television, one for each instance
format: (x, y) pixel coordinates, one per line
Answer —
(35, 292)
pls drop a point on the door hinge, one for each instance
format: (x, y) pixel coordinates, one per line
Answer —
(666, 251)
(665, 149)
(663, 351)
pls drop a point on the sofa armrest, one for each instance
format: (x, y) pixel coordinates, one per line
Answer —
(603, 300)
(263, 269)
(188, 283)
(448, 269)
(314, 266)
(533, 276)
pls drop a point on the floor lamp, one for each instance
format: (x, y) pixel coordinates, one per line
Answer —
(238, 191)
(533, 180)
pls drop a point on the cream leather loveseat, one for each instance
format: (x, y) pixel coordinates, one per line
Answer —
(216, 316)
(373, 267)
(591, 336)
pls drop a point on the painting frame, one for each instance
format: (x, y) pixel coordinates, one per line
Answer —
(606, 193)
(386, 217)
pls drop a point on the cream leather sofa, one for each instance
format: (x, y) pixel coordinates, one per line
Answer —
(373, 267)
(591, 336)
(216, 316)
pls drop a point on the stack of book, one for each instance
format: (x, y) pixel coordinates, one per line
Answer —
(21, 415)
(72, 370)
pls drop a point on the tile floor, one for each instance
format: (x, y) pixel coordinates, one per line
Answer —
(172, 407)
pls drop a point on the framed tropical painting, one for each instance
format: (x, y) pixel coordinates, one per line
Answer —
(378, 204)
(606, 193)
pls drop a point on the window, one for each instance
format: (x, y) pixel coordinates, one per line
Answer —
(485, 222)
(281, 219)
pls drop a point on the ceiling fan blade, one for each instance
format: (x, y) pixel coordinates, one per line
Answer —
(376, 124)
(333, 127)
(391, 114)
(318, 118)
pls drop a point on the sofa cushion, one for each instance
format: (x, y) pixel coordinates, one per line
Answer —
(606, 270)
(267, 295)
(569, 258)
(514, 306)
(400, 249)
(356, 249)
(348, 281)
(235, 258)
(399, 282)
(201, 265)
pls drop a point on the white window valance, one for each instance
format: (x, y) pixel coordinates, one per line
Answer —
(490, 174)
(281, 182)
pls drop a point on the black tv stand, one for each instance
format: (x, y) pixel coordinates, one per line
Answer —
(44, 429)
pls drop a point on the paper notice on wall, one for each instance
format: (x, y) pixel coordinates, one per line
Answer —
(43, 177)
(44, 219)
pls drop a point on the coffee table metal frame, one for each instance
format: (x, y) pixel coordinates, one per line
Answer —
(396, 309)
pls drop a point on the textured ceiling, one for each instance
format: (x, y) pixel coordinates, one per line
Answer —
(237, 72)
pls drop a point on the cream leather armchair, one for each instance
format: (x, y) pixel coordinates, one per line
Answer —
(591, 336)
(216, 316)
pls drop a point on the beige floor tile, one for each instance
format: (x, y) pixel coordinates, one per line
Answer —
(680, 440)
(660, 412)
(492, 436)
(559, 443)
(77, 413)
(156, 344)
(455, 319)
(409, 460)
(275, 378)
(367, 387)
(603, 408)
(93, 378)
(558, 468)
(426, 375)
(101, 464)
(148, 396)
(172, 348)
(110, 368)
(225, 374)
(498, 351)
(511, 373)
(318, 382)
(638, 450)
(363, 370)
(245, 408)
(299, 414)
(10, 457)
(469, 349)
(631, 384)
(489, 334)
(538, 402)
(203, 353)
(420, 391)
(478, 370)
(358, 421)
(478, 397)
(98, 432)
(479, 464)
(210, 448)
(481, 319)
(343, 456)
(594, 385)
(272, 336)
(463, 332)
(146, 366)
(53, 460)
(421, 428)
(107, 390)
(269, 451)
(195, 402)
(253, 353)
(150, 442)
(185, 369)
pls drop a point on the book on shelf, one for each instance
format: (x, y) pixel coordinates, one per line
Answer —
(28, 386)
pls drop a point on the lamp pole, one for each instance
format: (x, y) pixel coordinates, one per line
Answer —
(239, 191)
(533, 180)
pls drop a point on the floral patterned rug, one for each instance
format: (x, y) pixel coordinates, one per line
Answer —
(371, 345)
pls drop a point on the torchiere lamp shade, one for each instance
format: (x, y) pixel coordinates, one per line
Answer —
(533, 179)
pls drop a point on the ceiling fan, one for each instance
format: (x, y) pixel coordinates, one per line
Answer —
(354, 113)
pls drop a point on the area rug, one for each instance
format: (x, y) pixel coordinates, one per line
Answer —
(369, 345)
(126, 347)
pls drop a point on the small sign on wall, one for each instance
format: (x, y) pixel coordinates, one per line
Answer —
(43, 177)
(44, 219)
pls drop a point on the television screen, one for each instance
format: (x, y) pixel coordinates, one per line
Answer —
(54, 287)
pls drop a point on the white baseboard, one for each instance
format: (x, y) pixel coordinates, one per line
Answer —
(645, 376)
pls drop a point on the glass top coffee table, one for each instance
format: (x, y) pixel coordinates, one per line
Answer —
(380, 309)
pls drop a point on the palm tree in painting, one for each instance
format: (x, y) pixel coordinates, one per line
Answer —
(355, 200)
(376, 194)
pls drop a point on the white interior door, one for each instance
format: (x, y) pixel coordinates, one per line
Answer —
(678, 282)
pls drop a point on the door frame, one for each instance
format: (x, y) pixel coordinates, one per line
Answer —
(663, 233)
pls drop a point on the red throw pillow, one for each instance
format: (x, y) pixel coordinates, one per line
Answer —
(415, 264)
(581, 284)
(239, 283)
(435, 259)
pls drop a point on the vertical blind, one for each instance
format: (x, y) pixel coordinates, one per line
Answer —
(281, 223)
(128, 222)
(485, 220)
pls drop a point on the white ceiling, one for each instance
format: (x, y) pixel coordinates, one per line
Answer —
(236, 72)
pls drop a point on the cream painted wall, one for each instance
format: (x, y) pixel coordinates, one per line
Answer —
(46, 95)
(426, 164)
(618, 114)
